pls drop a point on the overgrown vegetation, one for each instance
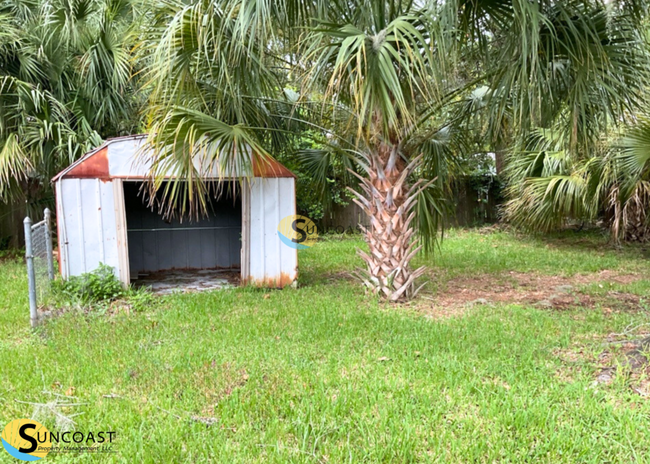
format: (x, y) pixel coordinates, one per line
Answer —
(90, 287)
(97, 292)
(552, 183)
(325, 373)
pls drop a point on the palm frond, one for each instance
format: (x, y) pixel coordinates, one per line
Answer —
(634, 158)
(190, 145)
(544, 203)
(15, 165)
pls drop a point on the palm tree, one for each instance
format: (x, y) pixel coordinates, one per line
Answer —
(629, 190)
(391, 86)
(550, 185)
(66, 82)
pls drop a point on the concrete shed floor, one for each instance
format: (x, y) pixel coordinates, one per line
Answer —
(187, 281)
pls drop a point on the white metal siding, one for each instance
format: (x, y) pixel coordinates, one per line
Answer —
(126, 159)
(87, 223)
(271, 262)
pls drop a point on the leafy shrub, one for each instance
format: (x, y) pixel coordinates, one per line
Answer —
(91, 287)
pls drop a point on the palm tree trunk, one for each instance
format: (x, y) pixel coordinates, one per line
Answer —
(629, 221)
(388, 201)
(635, 217)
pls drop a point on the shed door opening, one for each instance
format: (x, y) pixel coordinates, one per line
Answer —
(157, 244)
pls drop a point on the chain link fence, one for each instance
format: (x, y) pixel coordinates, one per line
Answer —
(40, 261)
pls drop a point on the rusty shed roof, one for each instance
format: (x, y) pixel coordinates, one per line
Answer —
(97, 164)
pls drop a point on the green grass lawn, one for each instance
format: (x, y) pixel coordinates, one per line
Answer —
(325, 373)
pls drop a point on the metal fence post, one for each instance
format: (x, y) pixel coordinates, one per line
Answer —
(29, 257)
(48, 243)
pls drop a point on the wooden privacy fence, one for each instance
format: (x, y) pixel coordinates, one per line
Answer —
(343, 219)
(11, 224)
(476, 201)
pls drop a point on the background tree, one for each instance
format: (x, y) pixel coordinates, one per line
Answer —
(572, 162)
(550, 185)
(66, 82)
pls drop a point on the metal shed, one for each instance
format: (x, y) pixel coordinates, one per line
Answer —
(101, 218)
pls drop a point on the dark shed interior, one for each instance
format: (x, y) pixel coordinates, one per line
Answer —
(157, 244)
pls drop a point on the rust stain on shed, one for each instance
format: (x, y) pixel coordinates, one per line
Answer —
(95, 166)
(283, 280)
(268, 167)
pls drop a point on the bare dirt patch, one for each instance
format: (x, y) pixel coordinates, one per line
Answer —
(544, 291)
